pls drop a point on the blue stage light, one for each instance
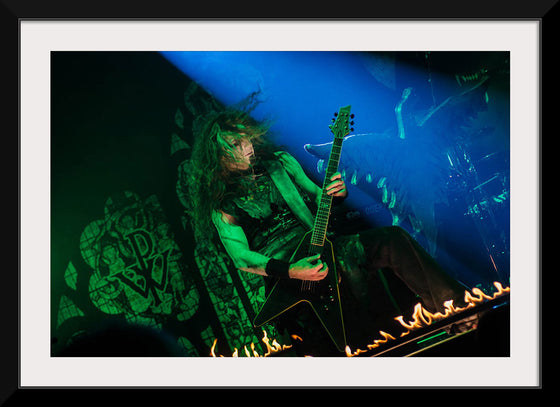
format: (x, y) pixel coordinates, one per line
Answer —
(414, 159)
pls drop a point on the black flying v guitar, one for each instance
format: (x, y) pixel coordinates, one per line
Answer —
(323, 296)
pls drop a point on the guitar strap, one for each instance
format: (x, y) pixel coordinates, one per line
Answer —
(290, 193)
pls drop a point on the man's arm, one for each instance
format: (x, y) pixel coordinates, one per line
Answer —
(294, 168)
(235, 242)
(337, 188)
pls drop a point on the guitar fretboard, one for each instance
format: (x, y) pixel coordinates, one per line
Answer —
(325, 202)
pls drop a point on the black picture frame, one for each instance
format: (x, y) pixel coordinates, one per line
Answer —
(14, 11)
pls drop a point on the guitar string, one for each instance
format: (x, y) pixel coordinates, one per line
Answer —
(325, 202)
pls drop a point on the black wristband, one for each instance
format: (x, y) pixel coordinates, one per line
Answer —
(277, 268)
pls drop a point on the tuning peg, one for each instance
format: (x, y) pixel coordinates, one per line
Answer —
(352, 122)
(352, 129)
(352, 116)
(335, 114)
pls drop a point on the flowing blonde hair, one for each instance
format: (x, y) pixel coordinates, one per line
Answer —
(211, 177)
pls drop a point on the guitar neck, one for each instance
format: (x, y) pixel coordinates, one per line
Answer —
(325, 202)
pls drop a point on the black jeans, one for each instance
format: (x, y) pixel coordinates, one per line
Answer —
(371, 264)
(393, 249)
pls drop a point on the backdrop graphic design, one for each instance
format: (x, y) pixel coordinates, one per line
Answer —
(123, 249)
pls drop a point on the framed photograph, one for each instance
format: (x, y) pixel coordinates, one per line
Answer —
(438, 122)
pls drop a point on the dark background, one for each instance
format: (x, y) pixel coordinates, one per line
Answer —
(112, 120)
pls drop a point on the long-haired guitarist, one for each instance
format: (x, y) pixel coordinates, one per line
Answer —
(257, 200)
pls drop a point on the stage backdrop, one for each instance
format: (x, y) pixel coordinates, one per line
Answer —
(123, 252)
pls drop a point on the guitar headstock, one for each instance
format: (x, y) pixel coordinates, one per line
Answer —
(341, 122)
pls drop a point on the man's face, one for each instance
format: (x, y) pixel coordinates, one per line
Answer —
(239, 151)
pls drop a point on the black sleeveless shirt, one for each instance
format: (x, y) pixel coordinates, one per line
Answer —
(264, 215)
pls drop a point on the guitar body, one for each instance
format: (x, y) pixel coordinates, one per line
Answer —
(322, 296)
